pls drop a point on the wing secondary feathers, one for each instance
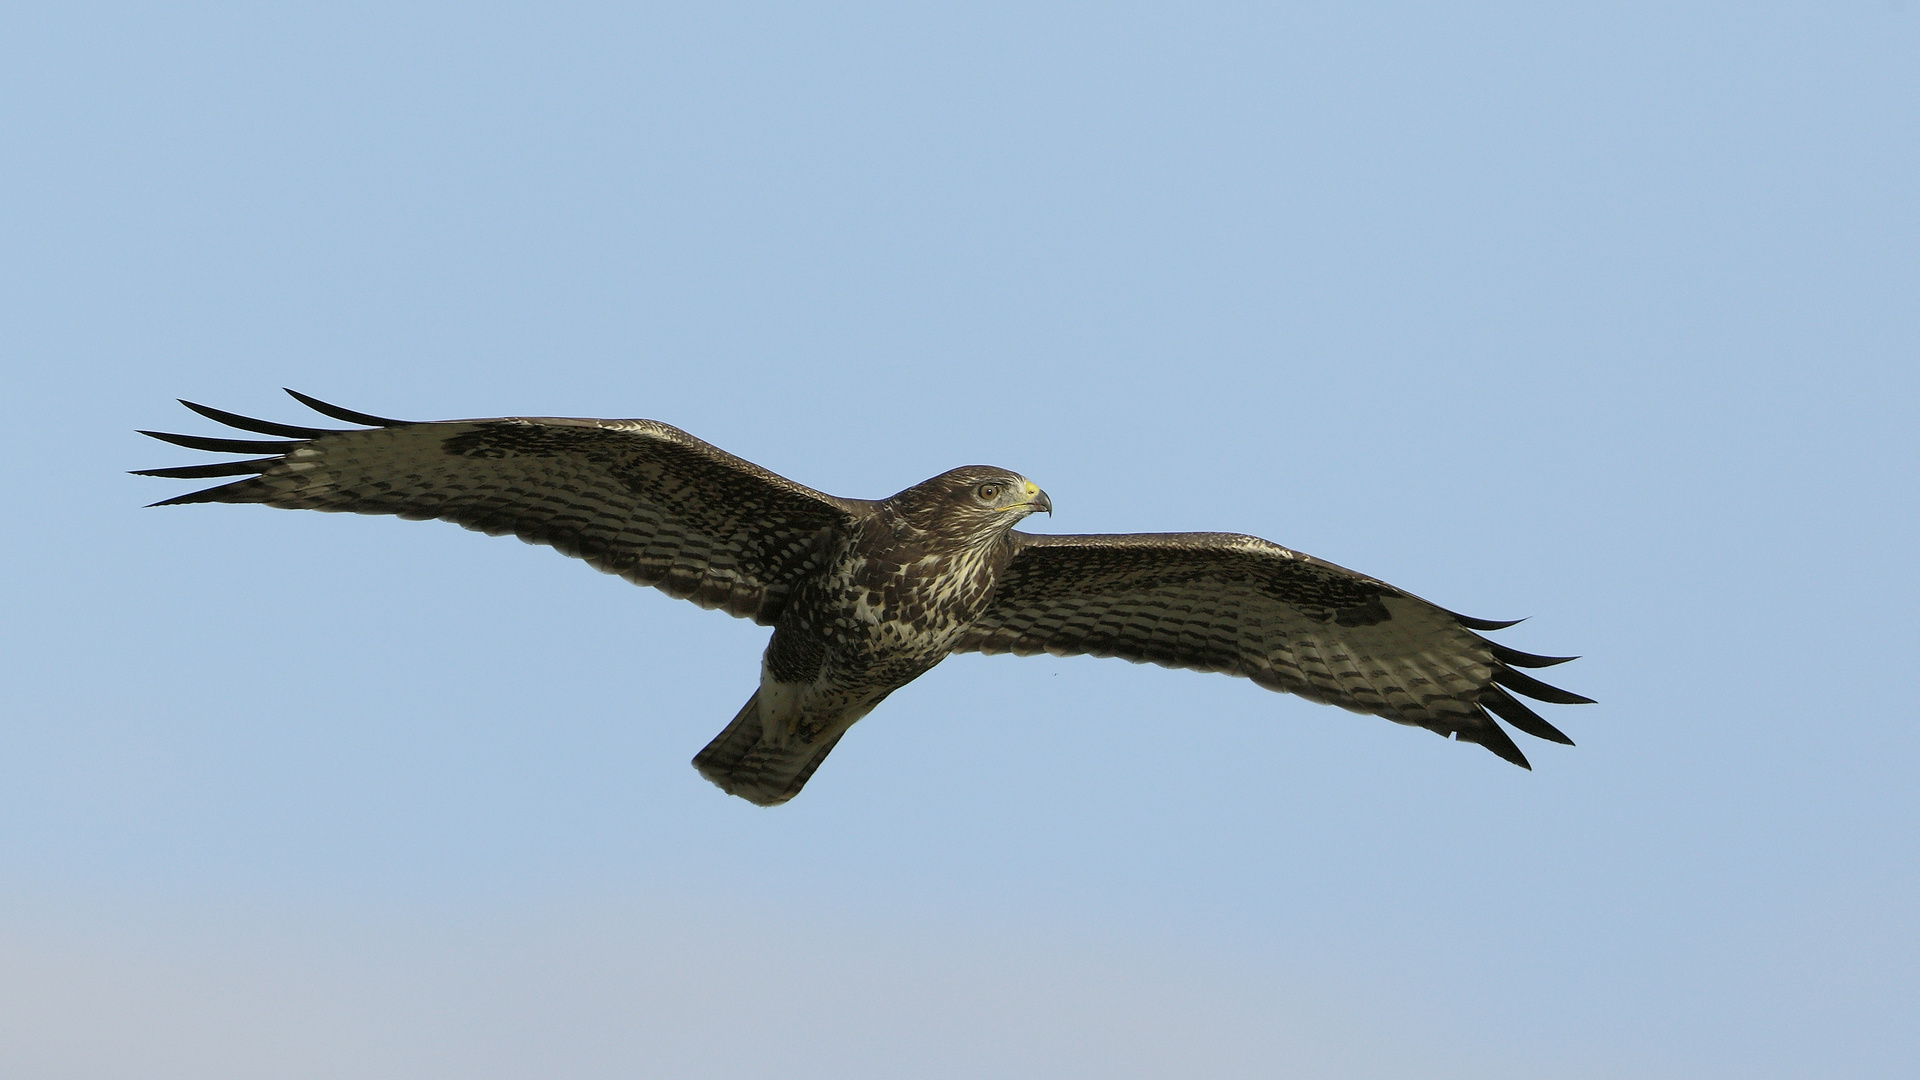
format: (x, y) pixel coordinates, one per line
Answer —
(636, 498)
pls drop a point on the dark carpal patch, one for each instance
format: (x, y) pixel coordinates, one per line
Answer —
(1366, 614)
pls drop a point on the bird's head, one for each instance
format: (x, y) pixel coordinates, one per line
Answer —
(972, 503)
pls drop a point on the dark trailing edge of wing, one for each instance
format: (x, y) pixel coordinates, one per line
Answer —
(296, 435)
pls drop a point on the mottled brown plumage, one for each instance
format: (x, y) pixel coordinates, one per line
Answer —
(865, 596)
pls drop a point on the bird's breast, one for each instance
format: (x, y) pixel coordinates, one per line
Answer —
(884, 609)
(918, 603)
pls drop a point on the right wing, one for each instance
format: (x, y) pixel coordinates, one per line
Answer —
(636, 498)
(1288, 621)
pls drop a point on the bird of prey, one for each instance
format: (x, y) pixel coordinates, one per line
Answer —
(864, 595)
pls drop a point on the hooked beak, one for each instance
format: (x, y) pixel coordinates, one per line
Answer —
(1038, 501)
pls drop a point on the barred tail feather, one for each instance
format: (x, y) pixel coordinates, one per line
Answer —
(766, 771)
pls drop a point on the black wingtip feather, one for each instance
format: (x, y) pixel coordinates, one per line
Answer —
(1535, 689)
(344, 415)
(1524, 659)
(204, 495)
(223, 446)
(1514, 712)
(200, 472)
(1494, 738)
(1484, 624)
(248, 423)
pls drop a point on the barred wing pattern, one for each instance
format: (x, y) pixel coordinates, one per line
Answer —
(635, 498)
(1244, 606)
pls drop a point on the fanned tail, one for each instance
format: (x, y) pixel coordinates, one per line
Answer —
(744, 760)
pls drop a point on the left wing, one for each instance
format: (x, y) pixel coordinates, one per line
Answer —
(1290, 622)
(636, 498)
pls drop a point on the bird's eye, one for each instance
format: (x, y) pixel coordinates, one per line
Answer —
(987, 492)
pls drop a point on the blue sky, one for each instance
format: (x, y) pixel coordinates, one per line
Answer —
(1607, 318)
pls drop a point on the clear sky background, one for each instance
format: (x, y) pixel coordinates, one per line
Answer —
(1610, 318)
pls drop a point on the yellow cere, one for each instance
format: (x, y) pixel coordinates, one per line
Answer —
(1030, 489)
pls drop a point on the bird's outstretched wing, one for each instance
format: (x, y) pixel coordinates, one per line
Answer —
(1290, 622)
(636, 498)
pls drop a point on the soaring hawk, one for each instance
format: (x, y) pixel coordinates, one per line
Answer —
(865, 596)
